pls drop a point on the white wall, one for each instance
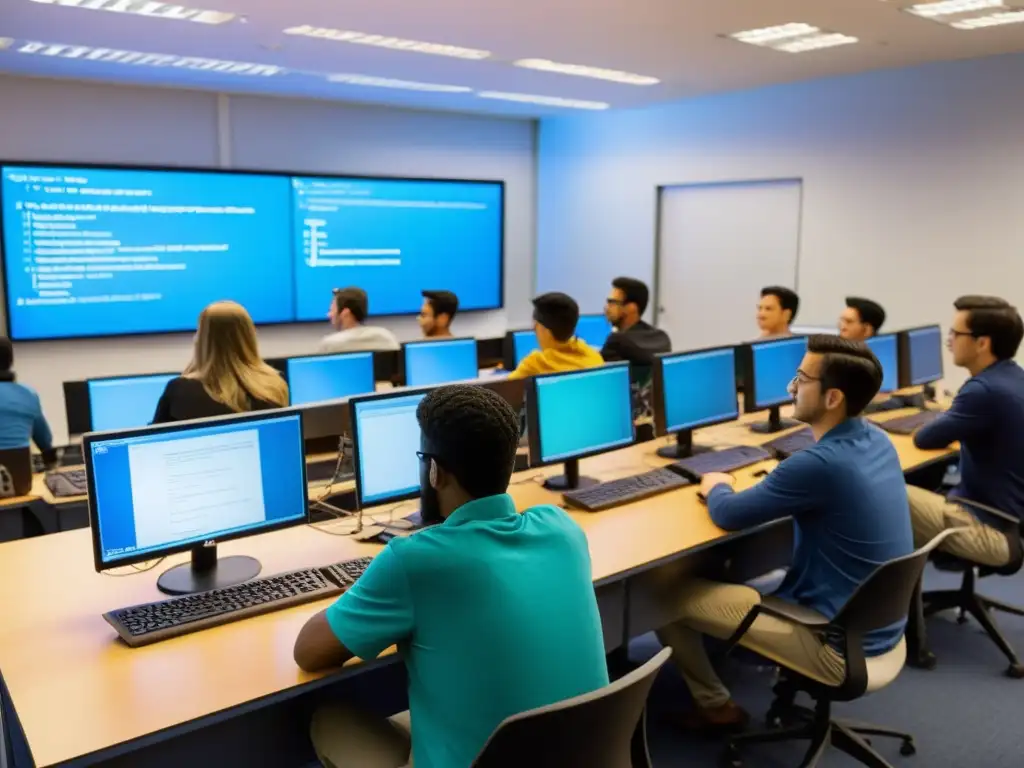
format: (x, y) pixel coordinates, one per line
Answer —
(54, 121)
(913, 185)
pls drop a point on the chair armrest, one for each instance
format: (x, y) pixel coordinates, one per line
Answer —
(780, 609)
(1006, 523)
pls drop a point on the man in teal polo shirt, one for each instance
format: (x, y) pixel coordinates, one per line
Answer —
(493, 611)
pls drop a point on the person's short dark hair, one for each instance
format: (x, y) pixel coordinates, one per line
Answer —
(6, 354)
(354, 300)
(849, 366)
(558, 312)
(443, 303)
(870, 312)
(635, 291)
(996, 318)
(474, 434)
(787, 298)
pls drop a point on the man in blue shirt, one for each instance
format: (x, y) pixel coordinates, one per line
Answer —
(847, 498)
(493, 612)
(987, 418)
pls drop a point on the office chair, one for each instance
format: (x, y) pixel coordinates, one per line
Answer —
(967, 601)
(882, 600)
(603, 729)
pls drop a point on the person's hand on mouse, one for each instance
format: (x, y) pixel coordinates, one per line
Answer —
(711, 479)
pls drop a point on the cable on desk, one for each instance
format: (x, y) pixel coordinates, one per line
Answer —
(136, 568)
(537, 478)
(357, 527)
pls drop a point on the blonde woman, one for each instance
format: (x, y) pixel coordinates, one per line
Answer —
(226, 374)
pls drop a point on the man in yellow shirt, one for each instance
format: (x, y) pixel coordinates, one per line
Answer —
(554, 321)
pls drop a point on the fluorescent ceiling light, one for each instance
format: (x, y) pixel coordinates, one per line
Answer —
(815, 42)
(580, 70)
(793, 38)
(138, 58)
(147, 8)
(768, 35)
(408, 85)
(951, 7)
(550, 101)
(382, 41)
(991, 20)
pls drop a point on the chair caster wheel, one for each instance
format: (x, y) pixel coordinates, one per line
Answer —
(1016, 671)
(961, 619)
(907, 749)
(923, 660)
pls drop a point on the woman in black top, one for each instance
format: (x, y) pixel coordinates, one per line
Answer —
(226, 374)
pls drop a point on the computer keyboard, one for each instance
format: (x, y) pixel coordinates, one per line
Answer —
(624, 490)
(148, 623)
(67, 482)
(727, 460)
(907, 425)
(787, 445)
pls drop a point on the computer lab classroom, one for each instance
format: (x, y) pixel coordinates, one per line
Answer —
(159, 159)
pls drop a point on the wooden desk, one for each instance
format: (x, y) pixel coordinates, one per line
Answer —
(78, 691)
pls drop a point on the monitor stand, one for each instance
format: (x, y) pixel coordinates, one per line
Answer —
(775, 423)
(206, 572)
(571, 480)
(684, 447)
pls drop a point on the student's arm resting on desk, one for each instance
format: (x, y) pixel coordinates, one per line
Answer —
(374, 614)
(41, 434)
(968, 417)
(788, 490)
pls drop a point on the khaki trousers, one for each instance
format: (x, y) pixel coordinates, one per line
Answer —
(345, 737)
(931, 514)
(715, 609)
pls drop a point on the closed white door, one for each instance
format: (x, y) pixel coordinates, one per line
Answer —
(719, 244)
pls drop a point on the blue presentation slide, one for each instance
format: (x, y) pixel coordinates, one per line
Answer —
(925, 356)
(884, 348)
(775, 364)
(93, 252)
(584, 412)
(699, 388)
(387, 438)
(157, 491)
(326, 377)
(438, 362)
(125, 403)
(394, 239)
(523, 343)
(593, 329)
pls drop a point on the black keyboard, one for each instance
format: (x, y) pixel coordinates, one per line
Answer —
(908, 425)
(67, 482)
(152, 622)
(787, 445)
(728, 460)
(624, 490)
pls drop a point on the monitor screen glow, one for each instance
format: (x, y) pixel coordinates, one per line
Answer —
(775, 365)
(328, 377)
(439, 362)
(698, 389)
(593, 329)
(126, 402)
(387, 439)
(925, 355)
(885, 349)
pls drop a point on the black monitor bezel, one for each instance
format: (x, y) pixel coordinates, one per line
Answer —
(510, 346)
(92, 437)
(403, 365)
(72, 165)
(903, 356)
(750, 375)
(285, 361)
(533, 422)
(658, 381)
(896, 336)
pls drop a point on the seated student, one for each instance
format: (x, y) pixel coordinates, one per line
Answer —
(226, 374)
(554, 321)
(776, 311)
(21, 413)
(493, 611)
(349, 308)
(437, 313)
(633, 339)
(861, 319)
(847, 498)
(987, 418)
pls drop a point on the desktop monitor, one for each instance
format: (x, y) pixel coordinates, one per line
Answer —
(593, 329)
(769, 367)
(156, 491)
(576, 414)
(327, 377)
(439, 362)
(920, 356)
(692, 390)
(125, 401)
(885, 349)
(518, 344)
(385, 438)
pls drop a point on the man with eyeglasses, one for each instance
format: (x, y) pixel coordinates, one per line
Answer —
(493, 611)
(632, 339)
(847, 498)
(987, 419)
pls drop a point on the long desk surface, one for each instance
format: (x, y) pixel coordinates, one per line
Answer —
(78, 690)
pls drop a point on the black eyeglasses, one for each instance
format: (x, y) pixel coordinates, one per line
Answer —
(617, 302)
(953, 333)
